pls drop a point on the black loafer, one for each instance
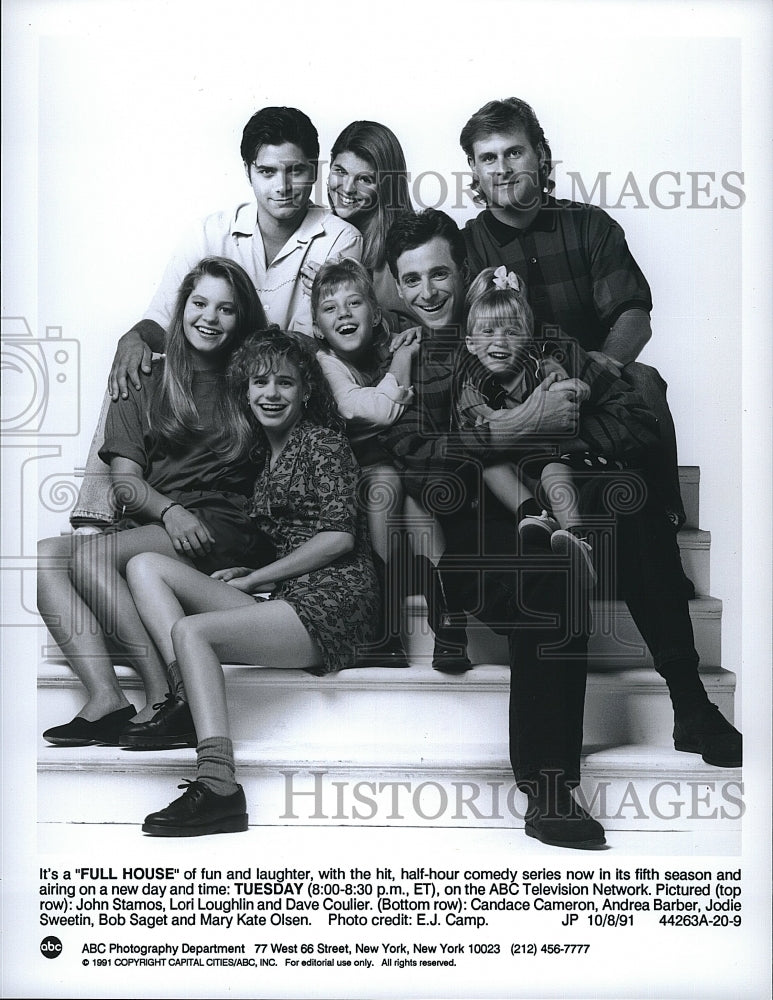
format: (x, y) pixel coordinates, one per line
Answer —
(707, 732)
(82, 733)
(198, 812)
(171, 726)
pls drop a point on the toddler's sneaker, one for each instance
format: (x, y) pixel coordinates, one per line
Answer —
(535, 532)
(565, 543)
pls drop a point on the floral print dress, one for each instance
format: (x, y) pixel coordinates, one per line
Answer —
(313, 488)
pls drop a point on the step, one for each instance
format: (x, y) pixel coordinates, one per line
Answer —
(690, 488)
(624, 706)
(628, 788)
(615, 641)
(695, 550)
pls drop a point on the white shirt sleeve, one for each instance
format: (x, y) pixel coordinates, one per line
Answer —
(210, 237)
(347, 244)
(365, 407)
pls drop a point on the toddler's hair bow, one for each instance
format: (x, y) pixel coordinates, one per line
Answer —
(506, 279)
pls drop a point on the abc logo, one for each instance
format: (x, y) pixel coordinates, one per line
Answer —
(51, 947)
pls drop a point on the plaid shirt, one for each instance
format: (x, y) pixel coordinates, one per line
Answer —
(580, 275)
(441, 457)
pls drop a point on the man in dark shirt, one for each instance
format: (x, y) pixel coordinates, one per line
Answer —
(581, 277)
(524, 597)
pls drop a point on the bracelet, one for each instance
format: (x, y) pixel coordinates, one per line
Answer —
(168, 507)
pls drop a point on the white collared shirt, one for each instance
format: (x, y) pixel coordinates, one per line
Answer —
(236, 235)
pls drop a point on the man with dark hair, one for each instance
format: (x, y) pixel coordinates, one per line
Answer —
(273, 126)
(527, 598)
(278, 238)
(580, 276)
(426, 255)
(413, 231)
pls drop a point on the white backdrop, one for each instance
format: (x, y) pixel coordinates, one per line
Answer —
(122, 123)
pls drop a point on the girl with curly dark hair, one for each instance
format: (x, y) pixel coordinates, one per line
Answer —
(322, 592)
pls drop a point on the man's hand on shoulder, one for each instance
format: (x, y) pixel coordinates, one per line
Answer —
(133, 355)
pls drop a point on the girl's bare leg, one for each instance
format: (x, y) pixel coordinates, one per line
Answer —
(84, 599)
(222, 625)
(562, 493)
(268, 634)
(75, 628)
(506, 485)
(99, 574)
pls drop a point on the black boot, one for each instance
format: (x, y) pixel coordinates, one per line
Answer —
(171, 726)
(450, 653)
(554, 816)
(387, 650)
(706, 731)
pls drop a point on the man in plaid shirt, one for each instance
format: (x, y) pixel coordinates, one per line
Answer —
(580, 275)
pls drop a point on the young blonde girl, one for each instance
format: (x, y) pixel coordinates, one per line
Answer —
(505, 366)
(372, 387)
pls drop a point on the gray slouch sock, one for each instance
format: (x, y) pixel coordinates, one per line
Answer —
(215, 765)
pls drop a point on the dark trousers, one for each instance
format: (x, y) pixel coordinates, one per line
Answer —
(651, 582)
(637, 559)
(662, 466)
(533, 600)
(548, 668)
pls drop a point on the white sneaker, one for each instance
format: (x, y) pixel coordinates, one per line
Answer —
(537, 531)
(564, 543)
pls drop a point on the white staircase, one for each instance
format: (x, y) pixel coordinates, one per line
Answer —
(415, 747)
